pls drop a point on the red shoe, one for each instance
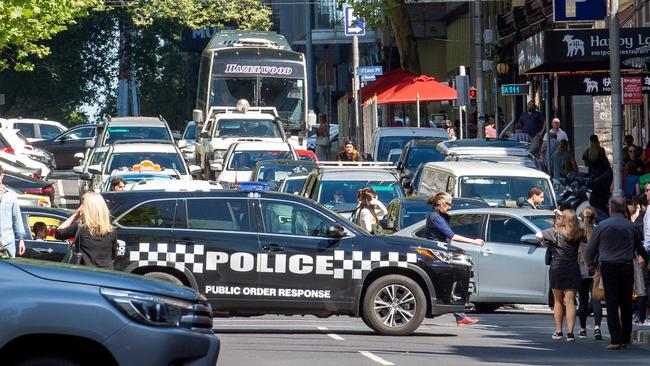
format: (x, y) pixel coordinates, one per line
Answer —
(466, 321)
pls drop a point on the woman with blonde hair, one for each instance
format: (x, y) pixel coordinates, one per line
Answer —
(564, 239)
(595, 158)
(585, 301)
(91, 227)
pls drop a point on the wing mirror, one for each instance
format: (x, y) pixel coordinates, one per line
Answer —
(529, 239)
(204, 135)
(78, 169)
(194, 169)
(89, 144)
(336, 231)
(95, 169)
(217, 167)
(387, 224)
(181, 144)
(197, 115)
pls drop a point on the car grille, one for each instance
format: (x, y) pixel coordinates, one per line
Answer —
(200, 319)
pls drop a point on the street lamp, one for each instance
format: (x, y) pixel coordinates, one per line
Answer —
(502, 69)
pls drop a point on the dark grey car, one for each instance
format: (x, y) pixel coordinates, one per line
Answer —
(70, 142)
(64, 315)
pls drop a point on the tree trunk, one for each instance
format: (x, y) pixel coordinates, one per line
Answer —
(404, 36)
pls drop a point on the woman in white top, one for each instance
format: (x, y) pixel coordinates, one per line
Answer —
(367, 218)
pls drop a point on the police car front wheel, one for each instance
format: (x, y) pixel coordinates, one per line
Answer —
(394, 305)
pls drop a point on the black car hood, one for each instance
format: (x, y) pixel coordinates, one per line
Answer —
(413, 242)
(97, 277)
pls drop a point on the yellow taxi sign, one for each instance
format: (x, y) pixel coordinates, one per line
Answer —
(146, 165)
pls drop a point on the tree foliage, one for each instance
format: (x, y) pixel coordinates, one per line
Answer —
(25, 23)
(376, 13)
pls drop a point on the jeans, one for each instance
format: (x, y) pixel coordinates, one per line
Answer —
(322, 152)
(585, 303)
(618, 280)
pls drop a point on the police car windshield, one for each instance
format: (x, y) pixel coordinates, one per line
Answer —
(247, 128)
(421, 155)
(128, 160)
(245, 160)
(504, 191)
(339, 195)
(136, 133)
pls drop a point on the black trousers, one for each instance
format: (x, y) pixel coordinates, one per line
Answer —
(618, 280)
(586, 304)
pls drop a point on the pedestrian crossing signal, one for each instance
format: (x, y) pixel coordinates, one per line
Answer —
(472, 93)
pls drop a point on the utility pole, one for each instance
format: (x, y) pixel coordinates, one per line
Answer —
(617, 109)
(309, 55)
(547, 111)
(478, 68)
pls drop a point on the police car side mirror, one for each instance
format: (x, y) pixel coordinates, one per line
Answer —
(194, 169)
(89, 144)
(336, 231)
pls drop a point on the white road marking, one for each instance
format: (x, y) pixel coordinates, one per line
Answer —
(59, 188)
(377, 359)
(336, 337)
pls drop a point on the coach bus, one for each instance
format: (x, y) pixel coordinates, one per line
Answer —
(261, 68)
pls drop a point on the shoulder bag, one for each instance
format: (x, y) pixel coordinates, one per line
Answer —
(597, 287)
(73, 256)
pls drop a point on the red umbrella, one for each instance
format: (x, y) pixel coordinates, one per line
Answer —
(416, 88)
(384, 82)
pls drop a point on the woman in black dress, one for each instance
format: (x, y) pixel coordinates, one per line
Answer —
(564, 239)
(97, 238)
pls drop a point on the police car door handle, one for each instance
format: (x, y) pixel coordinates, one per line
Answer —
(43, 250)
(185, 242)
(273, 248)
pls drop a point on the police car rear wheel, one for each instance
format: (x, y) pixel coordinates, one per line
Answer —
(394, 305)
(165, 277)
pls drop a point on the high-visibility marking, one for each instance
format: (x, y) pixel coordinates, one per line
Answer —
(331, 335)
(377, 359)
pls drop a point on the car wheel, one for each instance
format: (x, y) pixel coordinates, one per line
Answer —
(165, 277)
(48, 361)
(486, 308)
(394, 305)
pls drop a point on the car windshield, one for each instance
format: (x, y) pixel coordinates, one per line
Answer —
(388, 143)
(140, 177)
(504, 191)
(294, 185)
(414, 212)
(247, 128)
(420, 155)
(340, 195)
(128, 160)
(542, 222)
(136, 133)
(277, 172)
(245, 160)
(190, 132)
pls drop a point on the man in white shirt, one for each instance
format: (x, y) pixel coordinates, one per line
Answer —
(559, 136)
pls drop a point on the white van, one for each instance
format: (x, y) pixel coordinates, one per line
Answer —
(500, 185)
(384, 139)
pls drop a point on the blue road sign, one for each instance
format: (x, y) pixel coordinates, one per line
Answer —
(366, 78)
(579, 10)
(370, 70)
(353, 26)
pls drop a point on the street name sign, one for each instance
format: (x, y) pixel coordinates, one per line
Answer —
(366, 78)
(579, 10)
(370, 70)
(354, 26)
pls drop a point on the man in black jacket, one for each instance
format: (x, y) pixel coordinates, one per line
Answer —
(614, 241)
(535, 198)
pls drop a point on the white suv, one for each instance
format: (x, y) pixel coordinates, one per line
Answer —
(35, 129)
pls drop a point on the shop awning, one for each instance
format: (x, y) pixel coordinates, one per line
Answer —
(384, 82)
(412, 89)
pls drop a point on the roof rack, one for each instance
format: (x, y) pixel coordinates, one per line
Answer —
(356, 165)
(142, 141)
(223, 109)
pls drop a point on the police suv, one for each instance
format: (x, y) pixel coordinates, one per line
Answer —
(254, 252)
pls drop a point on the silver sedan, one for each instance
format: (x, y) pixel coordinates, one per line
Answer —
(509, 268)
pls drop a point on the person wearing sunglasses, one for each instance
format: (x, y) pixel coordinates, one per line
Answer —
(631, 153)
(438, 229)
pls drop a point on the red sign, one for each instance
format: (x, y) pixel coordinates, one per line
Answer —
(632, 90)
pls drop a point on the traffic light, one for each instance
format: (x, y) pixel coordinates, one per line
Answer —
(472, 93)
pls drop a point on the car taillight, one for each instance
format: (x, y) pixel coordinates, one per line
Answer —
(7, 150)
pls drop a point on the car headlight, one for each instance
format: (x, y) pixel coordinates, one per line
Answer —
(218, 154)
(446, 256)
(153, 310)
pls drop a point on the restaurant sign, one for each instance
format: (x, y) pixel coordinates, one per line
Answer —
(601, 84)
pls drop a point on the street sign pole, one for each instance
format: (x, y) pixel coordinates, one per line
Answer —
(547, 108)
(478, 68)
(355, 89)
(617, 110)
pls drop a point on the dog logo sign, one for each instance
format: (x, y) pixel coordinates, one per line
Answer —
(574, 46)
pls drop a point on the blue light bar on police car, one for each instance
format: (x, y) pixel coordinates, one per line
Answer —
(253, 187)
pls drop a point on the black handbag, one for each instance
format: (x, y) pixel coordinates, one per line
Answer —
(548, 258)
(73, 256)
